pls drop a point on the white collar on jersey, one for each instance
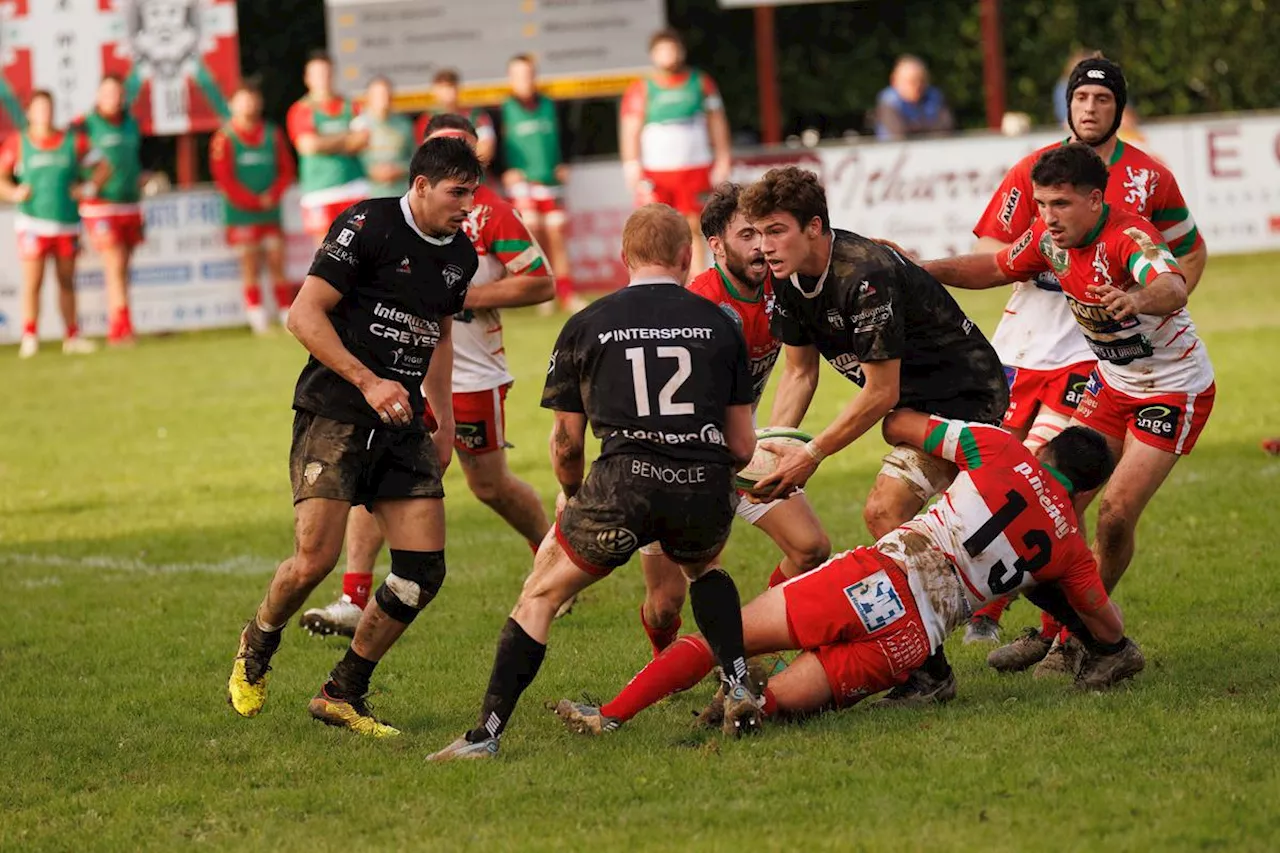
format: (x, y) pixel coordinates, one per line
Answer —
(653, 280)
(817, 288)
(408, 218)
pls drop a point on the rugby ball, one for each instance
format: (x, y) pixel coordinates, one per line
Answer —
(764, 461)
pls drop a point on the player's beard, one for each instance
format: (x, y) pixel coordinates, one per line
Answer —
(740, 268)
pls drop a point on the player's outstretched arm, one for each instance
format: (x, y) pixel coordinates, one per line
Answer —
(512, 292)
(568, 450)
(309, 323)
(968, 272)
(797, 386)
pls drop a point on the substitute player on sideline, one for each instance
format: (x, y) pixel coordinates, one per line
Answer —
(252, 167)
(674, 135)
(113, 216)
(445, 92)
(46, 165)
(391, 141)
(868, 617)
(888, 327)
(535, 170)
(374, 312)
(321, 128)
(1046, 358)
(740, 284)
(514, 273)
(1153, 388)
(662, 377)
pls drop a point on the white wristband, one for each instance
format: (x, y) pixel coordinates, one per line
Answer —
(815, 451)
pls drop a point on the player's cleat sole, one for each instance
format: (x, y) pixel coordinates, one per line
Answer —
(1024, 652)
(247, 687)
(1063, 659)
(1099, 672)
(759, 670)
(585, 719)
(566, 608)
(920, 689)
(353, 715)
(982, 629)
(463, 750)
(339, 617)
(743, 712)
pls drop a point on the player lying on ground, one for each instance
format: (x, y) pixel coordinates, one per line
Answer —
(868, 617)
(662, 377)
(740, 284)
(1153, 388)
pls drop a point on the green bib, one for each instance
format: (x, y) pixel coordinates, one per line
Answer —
(531, 139)
(51, 173)
(121, 146)
(255, 170)
(324, 171)
(680, 104)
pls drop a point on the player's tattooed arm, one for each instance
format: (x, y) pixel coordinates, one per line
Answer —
(568, 450)
(968, 272)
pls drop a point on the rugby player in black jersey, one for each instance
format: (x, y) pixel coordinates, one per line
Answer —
(662, 377)
(375, 312)
(889, 327)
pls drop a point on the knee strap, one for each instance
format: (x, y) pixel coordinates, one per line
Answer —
(416, 577)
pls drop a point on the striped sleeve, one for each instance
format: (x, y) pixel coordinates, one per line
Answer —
(508, 240)
(1146, 258)
(966, 444)
(1174, 220)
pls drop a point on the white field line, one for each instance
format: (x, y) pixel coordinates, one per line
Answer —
(243, 565)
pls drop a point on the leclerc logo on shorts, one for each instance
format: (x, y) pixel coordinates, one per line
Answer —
(1074, 392)
(1158, 420)
(875, 601)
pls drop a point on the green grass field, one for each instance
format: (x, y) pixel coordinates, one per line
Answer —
(145, 504)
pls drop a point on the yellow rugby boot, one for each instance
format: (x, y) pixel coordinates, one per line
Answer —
(351, 714)
(247, 687)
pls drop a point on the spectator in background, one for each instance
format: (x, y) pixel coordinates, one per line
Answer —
(252, 167)
(321, 125)
(674, 136)
(444, 89)
(1060, 88)
(40, 172)
(392, 142)
(535, 174)
(909, 106)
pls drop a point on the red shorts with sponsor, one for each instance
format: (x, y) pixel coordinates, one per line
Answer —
(37, 247)
(684, 189)
(480, 419)
(109, 230)
(252, 235)
(1060, 390)
(316, 218)
(857, 614)
(1168, 422)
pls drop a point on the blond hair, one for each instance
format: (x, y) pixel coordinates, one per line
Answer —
(655, 235)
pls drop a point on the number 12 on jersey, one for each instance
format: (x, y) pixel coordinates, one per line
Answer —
(640, 380)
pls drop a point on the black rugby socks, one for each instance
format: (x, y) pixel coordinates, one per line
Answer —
(515, 665)
(350, 678)
(718, 612)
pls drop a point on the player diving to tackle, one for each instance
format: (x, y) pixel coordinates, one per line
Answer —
(867, 618)
(662, 377)
(740, 284)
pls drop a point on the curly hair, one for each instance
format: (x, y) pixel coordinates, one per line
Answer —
(789, 189)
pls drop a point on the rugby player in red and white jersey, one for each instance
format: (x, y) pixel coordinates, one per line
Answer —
(867, 618)
(1046, 358)
(513, 272)
(1153, 387)
(673, 135)
(741, 285)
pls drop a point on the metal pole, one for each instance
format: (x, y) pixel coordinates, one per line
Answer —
(767, 77)
(992, 61)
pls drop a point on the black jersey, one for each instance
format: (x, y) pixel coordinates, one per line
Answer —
(396, 284)
(872, 304)
(654, 368)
